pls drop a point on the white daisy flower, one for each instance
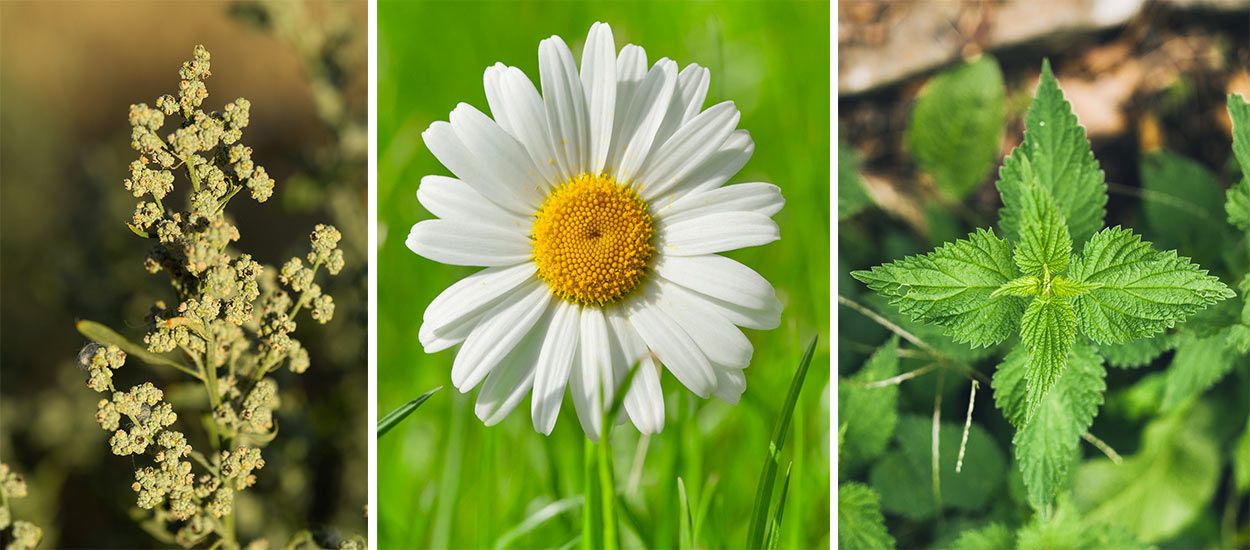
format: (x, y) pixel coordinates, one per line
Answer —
(598, 209)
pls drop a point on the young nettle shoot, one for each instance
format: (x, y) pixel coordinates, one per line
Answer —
(1055, 276)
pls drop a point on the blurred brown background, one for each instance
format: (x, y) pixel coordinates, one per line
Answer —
(68, 73)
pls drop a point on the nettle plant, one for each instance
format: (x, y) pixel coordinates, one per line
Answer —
(1054, 276)
(229, 326)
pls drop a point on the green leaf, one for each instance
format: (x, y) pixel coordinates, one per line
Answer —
(1200, 362)
(953, 287)
(768, 477)
(1165, 486)
(1136, 353)
(852, 198)
(401, 412)
(957, 125)
(1182, 205)
(1024, 287)
(1046, 445)
(904, 477)
(104, 335)
(1066, 529)
(994, 536)
(1044, 247)
(869, 414)
(1060, 158)
(1067, 288)
(860, 523)
(1238, 204)
(1144, 291)
(1047, 330)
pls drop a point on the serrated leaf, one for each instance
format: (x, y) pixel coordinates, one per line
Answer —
(1136, 353)
(931, 334)
(1144, 291)
(1046, 444)
(957, 126)
(869, 414)
(1023, 287)
(904, 477)
(1048, 331)
(1157, 492)
(1182, 205)
(1064, 287)
(860, 523)
(852, 198)
(953, 287)
(1238, 202)
(1199, 363)
(1066, 529)
(994, 536)
(1060, 158)
(1044, 247)
(1237, 205)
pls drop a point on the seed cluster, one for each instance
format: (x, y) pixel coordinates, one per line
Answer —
(592, 240)
(23, 535)
(230, 327)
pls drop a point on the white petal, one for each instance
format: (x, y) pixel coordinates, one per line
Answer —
(688, 148)
(455, 310)
(719, 277)
(565, 103)
(499, 333)
(459, 243)
(759, 197)
(642, 119)
(721, 341)
(447, 147)
(730, 384)
(631, 68)
(766, 318)
(692, 84)
(672, 345)
(717, 233)
(500, 156)
(554, 362)
(644, 403)
(589, 386)
(716, 169)
(511, 380)
(519, 110)
(452, 199)
(599, 83)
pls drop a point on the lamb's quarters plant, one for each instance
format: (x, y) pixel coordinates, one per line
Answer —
(1054, 276)
(22, 534)
(229, 326)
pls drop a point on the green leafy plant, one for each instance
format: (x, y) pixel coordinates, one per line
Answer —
(230, 326)
(1066, 295)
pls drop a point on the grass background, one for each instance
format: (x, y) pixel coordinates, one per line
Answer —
(445, 480)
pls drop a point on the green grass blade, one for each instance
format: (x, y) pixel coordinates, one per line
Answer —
(538, 519)
(774, 525)
(764, 491)
(685, 539)
(592, 508)
(399, 414)
(104, 335)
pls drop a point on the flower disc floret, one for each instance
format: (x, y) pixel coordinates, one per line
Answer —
(592, 240)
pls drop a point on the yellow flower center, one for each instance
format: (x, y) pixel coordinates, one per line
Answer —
(592, 240)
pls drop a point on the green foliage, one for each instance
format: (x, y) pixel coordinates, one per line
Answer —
(994, 536)
(1241, 461)
(904, 477)
(860, 523)
(953, 287)
(1136, 353)
(868, 415)
(1238, 205)
(852, 197)
(1182, 205)
(1045, 248)
(1047, 444)
(1143, 291)
(1048, 331)
(1067, 529)
(1056, 156)
(958, 151)
(1200, 362)
(1158, 491)
(401, 412)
